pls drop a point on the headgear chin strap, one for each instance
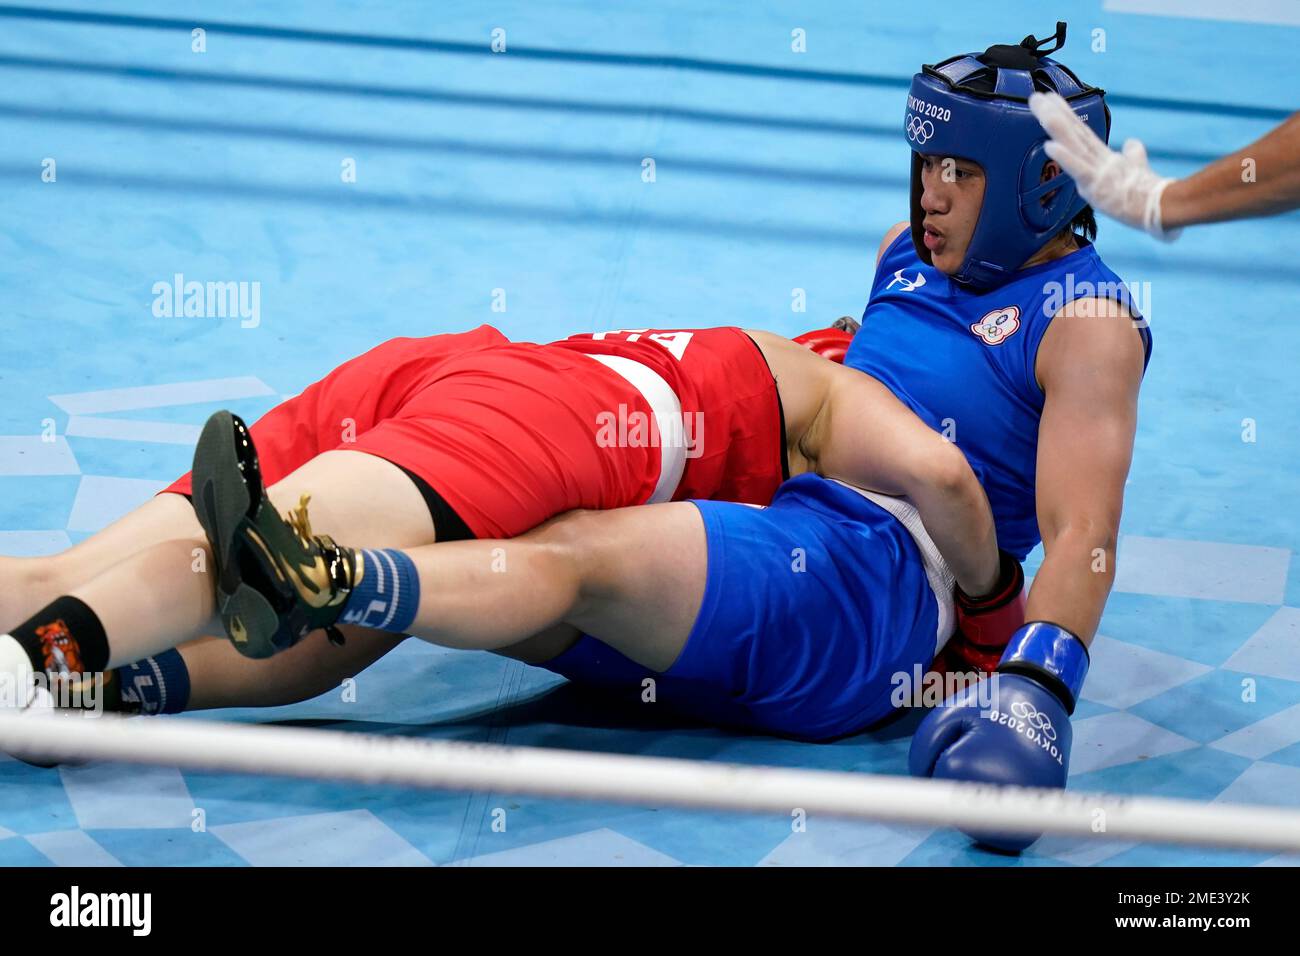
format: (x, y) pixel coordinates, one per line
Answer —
(976, 107)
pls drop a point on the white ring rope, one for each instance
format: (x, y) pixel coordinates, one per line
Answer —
(648, 781)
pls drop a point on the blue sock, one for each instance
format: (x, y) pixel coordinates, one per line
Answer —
(159, 685)
(388, 595)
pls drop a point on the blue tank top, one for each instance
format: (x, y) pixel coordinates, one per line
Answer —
(964, 363)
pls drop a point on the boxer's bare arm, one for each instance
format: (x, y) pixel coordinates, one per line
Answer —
(1090, 366)
(865, 436)
(842, 423)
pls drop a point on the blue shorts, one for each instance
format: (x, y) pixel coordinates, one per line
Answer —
(812, 607)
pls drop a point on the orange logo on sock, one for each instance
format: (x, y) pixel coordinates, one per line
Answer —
(59, 649)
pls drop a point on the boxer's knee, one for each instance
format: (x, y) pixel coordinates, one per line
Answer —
(574, 540)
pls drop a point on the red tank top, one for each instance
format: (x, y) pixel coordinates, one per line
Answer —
(730, 406)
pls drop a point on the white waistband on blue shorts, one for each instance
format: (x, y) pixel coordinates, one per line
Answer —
(936, 568)
(667, 410)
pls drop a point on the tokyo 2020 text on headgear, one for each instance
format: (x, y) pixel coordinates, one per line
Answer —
(975, 106)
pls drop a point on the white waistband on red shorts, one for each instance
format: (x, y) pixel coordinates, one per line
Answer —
(667, 410)
(936, 568)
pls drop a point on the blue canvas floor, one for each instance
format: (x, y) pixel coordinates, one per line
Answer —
(516, 178)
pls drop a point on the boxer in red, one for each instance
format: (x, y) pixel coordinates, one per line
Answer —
(424, 440)
(499, 436)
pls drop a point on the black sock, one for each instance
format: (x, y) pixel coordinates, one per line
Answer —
(64, 638)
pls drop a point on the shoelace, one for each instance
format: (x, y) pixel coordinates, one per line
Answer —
(340, 563)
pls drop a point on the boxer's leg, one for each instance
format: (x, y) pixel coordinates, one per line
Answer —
(633, 577)
(219, 675)
(222, 677)
(288, 435)
(31, 583)
(542, 647)
(161, 595)
(783, 619)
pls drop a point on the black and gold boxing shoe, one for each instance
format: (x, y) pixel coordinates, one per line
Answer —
(276, 582)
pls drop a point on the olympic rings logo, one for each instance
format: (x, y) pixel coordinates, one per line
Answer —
(998, 326)
(919, 130)
(1034, 718)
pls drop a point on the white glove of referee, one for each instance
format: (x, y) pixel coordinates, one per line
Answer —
(1122, 185)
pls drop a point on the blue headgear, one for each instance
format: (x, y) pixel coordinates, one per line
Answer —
(975, 106)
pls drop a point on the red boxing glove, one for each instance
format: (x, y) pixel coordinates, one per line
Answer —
(985, 624)
(832, 344)
(990, 621)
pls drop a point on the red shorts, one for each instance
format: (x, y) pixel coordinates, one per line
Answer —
(513, 434)
(505, 432)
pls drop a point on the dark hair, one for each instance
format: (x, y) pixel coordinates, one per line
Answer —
(1084, 224)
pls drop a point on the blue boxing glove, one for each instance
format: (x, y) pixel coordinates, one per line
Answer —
(1023, 739)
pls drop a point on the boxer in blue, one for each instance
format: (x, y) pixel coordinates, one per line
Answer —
(1006, 332)
(993, 318)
